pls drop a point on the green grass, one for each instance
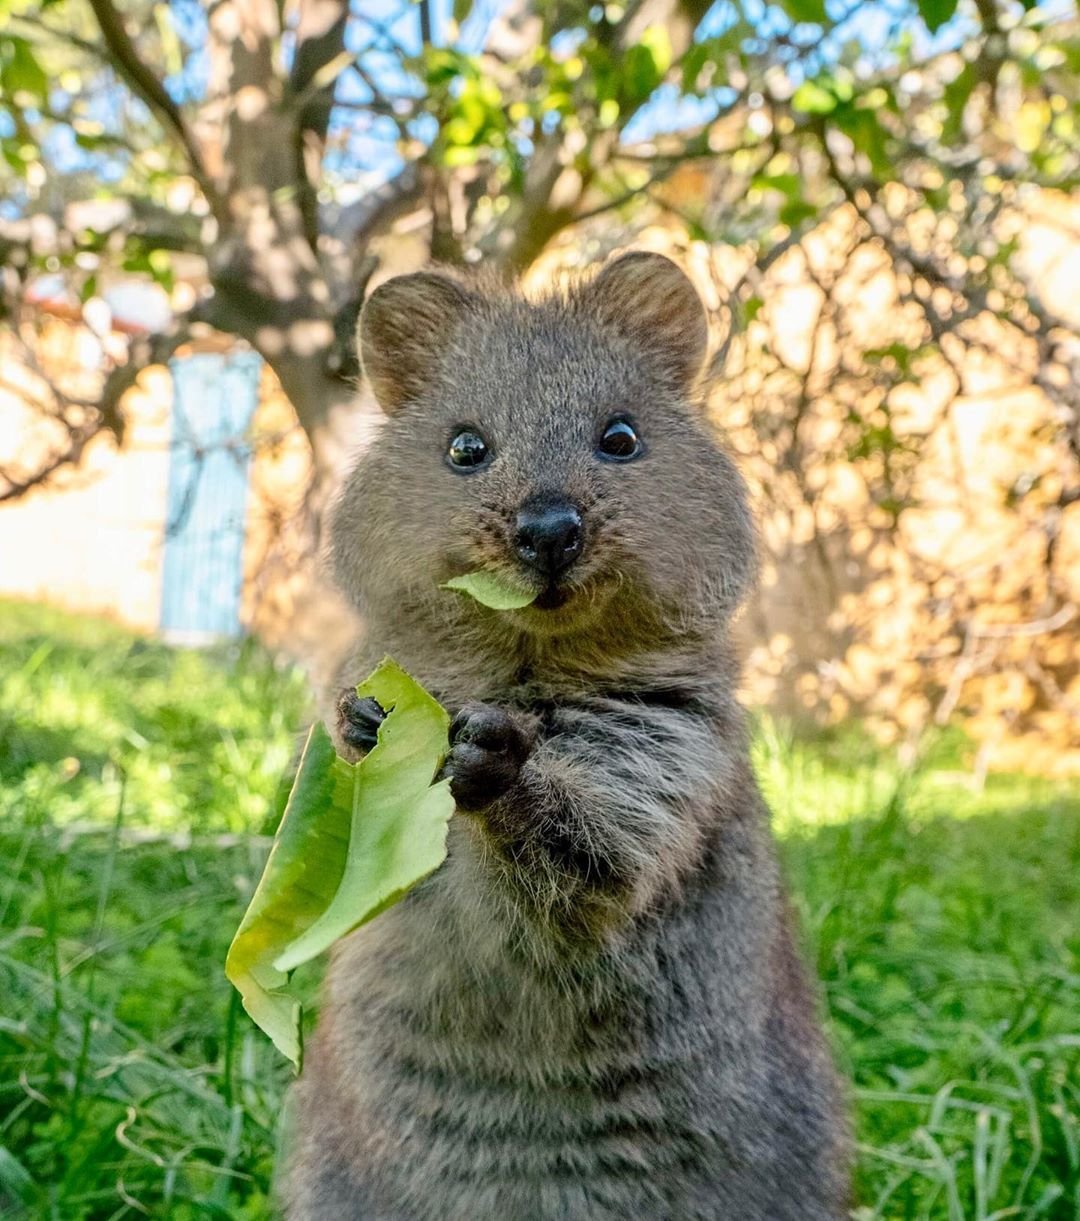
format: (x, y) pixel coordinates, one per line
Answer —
(944, 922)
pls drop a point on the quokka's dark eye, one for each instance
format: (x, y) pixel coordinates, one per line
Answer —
(468, 450)
(619, 441)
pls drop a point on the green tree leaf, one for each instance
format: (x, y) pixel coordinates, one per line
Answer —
(355, 838)
(20, 71)
(936, 12)
(812, 98)
(641, 74)
(498, 590)
(795, 211)
(658, 42)
(751, 307)
(806, 10)
(957, 93)
(868, 137)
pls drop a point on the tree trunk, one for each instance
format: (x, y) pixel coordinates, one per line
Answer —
(337, 418)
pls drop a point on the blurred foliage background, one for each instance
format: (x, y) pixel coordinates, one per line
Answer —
(879, 204)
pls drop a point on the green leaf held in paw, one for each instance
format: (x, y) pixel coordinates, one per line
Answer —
(498, 590)
(355, 838)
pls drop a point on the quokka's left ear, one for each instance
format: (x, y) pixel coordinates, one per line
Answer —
(405, 327)
(649, 299)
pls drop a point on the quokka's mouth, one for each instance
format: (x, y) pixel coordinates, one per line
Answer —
(551, 597)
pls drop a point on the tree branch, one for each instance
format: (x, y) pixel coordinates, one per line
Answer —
(527, 229)
(766, 257)
(80, 419)
(14, 486)
(125, 59)
(320, 41)
(90, 48)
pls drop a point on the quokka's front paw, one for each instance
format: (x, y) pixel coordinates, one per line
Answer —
(358, 722)
(487, 750)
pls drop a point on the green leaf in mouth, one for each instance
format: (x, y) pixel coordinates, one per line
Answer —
(497, 590)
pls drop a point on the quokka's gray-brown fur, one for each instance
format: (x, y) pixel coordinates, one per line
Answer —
(594, 1009)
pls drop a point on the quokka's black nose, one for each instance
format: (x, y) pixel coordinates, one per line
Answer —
(549, 534)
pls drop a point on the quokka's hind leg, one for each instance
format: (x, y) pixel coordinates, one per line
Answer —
(320, 1177)
(318, 1189)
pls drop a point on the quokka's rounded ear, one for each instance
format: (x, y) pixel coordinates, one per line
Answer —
(647, 297)
(405, 327)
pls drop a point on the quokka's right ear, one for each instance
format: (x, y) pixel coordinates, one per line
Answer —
(405, 327)
(653, 302)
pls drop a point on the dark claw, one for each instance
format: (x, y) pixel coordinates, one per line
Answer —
(359, 720)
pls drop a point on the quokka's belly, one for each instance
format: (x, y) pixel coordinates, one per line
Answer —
(696, 1138)
(455, 1148)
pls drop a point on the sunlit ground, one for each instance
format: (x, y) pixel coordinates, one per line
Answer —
(943, 920)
